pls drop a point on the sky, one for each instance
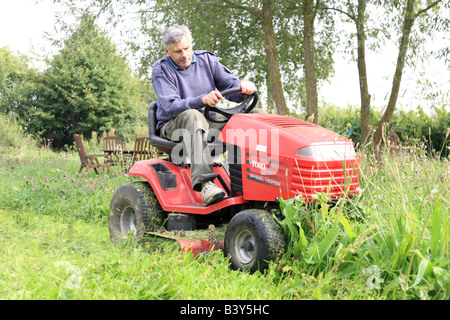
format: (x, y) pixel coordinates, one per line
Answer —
(23, 24)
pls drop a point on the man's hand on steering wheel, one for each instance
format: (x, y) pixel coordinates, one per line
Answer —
(212, 98)
(247, 87)
(246, 106)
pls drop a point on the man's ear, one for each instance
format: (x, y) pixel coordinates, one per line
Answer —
(167, 52)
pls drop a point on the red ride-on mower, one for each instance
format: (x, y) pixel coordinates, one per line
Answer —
(257, 158)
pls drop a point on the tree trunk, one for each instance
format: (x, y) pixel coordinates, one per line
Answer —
(363, 84)
(310, 65)
(404, 42)
(272, 58)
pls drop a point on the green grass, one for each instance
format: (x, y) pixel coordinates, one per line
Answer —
(390, 243)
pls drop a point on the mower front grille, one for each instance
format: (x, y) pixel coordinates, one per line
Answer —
(335, 178)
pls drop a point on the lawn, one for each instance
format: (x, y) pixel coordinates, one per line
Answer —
(391, 243)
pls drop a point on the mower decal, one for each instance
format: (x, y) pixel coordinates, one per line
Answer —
(264, 180)
(265, 183)
(265, 165)
(258, 165)
(263, 172)
(261, 148)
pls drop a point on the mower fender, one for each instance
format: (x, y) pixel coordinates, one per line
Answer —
(169, 182)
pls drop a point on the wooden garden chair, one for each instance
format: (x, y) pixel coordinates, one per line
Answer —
(88, 160)
(113, 147)
(141, 150)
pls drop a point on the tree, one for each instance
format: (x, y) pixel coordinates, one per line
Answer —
(88, 87)
(359, 19)
(309, 12)
(357, 13)
(19, 87)
(265, 15)
(13, 77)
(411, 13)
(261, 40)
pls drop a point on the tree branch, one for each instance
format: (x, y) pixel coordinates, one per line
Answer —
(426, 9)
(232, 5)
(341, 11)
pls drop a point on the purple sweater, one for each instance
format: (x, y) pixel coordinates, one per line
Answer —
(179, 90)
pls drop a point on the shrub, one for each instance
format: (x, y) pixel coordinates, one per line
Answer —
(414, 127)
(13, 137)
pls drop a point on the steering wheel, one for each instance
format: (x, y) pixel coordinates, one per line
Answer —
(244, 107)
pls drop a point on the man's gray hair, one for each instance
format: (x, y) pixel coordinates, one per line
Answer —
(174, 34)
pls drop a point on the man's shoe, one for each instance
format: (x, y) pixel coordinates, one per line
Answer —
(211, 193)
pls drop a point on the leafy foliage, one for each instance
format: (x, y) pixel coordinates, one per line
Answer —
(13, 136)
(394, 236)
(19, 89)
(414, 128)
(88, 87)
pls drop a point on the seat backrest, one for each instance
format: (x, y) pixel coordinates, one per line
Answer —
(162, 144)
(80, 148)
(114, 143)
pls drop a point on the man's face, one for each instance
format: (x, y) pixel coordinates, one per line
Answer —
(181, 52)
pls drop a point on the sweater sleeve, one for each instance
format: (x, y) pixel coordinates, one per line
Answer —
(225, 79)
(168, 93)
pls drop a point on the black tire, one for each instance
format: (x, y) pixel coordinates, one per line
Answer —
(134, 210)
(252, 239)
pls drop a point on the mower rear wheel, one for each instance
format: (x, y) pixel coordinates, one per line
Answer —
(252, 239)
(134, 210)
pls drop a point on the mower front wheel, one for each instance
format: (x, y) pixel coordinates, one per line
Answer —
(252, 239)
(134, 210)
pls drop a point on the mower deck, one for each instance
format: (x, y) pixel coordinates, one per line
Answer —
(197, 241)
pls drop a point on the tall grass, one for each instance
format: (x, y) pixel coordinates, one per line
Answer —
(13, 138)
(394, 236)
(408, 197)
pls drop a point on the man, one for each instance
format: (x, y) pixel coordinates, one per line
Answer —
(185, 81)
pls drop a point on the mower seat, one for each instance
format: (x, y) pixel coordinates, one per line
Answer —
(165, 145)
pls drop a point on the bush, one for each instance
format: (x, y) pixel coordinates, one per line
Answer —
(13, 137)
(414, 128)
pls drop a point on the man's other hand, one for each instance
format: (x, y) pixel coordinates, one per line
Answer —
(212, 98)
